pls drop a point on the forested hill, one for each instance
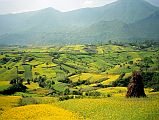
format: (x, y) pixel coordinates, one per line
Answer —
(123, 20)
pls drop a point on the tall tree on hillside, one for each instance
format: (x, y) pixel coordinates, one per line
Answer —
(145, 64)
(147, 61)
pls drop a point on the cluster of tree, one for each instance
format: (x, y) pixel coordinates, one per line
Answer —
(65, 80)
(5, 60)
(150, 79)
(145, 63)
(80, 82)
(44, 82)
(16, 86)
(66, 92)
(16, 59)
(145, 44)
(80, 94)
(93, 93)
(122, 82)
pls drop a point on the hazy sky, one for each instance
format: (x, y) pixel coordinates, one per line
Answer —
(14, 6)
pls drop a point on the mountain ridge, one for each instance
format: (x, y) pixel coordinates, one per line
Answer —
(117, 21)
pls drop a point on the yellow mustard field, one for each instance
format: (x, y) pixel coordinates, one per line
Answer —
(111, 78)
(88, 76)
(8, 102)
(39, 112)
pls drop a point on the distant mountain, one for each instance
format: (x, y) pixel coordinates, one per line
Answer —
(147, 28)
(128, 11)
(124, 20)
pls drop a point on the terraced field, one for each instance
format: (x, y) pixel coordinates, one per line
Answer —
(78, 82)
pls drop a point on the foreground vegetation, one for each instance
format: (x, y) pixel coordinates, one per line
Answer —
(111, 108)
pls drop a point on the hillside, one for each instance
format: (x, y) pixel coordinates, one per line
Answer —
(129, 20)
(77, 82)
(78, 67)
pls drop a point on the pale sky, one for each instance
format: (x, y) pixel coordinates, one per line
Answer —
(16, 6)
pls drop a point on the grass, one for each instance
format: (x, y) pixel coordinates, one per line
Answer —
(8, 75)
(112, 108)
(115, 91)
(115, 108)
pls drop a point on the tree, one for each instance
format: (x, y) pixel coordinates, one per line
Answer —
(67, 91)
(17, 86)
(147, 61)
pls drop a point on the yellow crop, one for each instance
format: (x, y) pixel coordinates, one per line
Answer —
(39, 112)
(4, 83)
(88, 76)
(111, 79)
(7, 102)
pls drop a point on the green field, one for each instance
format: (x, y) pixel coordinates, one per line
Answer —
(80, 81)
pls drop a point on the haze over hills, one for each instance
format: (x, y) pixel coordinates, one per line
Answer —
(124, 20)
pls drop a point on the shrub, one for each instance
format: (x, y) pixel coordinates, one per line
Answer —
(93, 93)
(14, 88)
(27, 101)
(62, 98)
(109, 95)
(122, 82)
(65, 80)
(77, 92)
(67, 91)
(49, 84)
(41, 81)
(151, 79)
(17, 86)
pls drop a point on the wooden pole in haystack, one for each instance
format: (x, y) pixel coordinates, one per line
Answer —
(136, 86)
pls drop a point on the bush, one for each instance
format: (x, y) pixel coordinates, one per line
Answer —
(151, 79)
(93, 93)
(65, 80)
(109, 95)
(62, 98)
(77, 92)
(14, 88)
(80, 82)
(122, 82)
(49, 84)
(67, 91)
(41, 81)
(27, 101)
